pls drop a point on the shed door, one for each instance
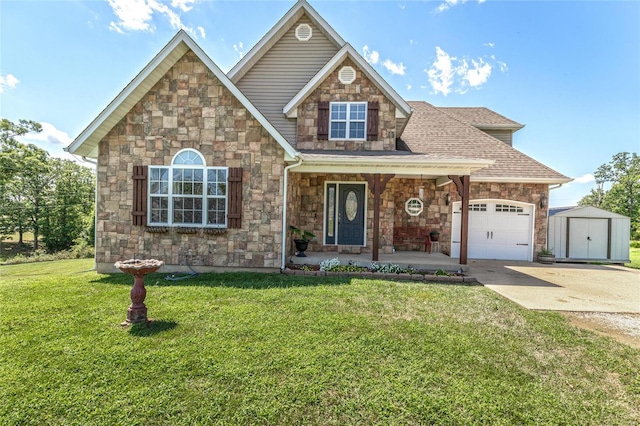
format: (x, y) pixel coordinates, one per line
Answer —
(497, 230)
(588, 238)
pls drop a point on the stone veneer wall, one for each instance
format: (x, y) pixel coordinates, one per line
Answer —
(190, 108)
(306, 209)
(361, 90)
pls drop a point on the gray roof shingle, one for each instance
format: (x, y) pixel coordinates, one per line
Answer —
(433, 131)
(481, 117)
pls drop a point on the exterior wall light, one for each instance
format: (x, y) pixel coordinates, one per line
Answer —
(543, 201)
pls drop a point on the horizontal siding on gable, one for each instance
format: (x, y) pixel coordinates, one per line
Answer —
(505, 136)
(280, 74)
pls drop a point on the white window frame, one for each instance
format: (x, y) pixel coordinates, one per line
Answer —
(199, 164)
(410, 206)
(347, 120)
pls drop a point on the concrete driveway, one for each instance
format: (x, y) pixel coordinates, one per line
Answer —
(562, 286)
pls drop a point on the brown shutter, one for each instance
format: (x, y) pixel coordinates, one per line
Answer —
(139, 211)
(323, 121)
(372, 121)
(235, 197)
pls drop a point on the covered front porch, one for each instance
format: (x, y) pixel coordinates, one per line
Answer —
(415, 259)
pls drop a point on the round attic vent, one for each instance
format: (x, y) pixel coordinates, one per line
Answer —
(347, 75)
(304, 32)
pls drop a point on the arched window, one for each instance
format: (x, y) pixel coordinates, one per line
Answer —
(188, 193)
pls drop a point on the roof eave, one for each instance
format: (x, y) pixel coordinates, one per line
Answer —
(274, 34)
(86, 144)
(290, 109)
(517, 179)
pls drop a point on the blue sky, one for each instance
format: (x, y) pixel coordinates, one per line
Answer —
(569, 71)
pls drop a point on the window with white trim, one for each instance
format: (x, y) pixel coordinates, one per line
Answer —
(413, 206)
(506, 208)
(348, 120)
(188, 193)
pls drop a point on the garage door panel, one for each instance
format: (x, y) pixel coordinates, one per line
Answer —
(501, 231)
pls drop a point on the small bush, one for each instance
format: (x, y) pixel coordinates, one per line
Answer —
(634, 244)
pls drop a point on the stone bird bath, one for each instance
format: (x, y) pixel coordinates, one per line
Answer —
(137, 312)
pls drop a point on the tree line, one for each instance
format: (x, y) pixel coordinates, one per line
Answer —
(50, 197)
(622, 176)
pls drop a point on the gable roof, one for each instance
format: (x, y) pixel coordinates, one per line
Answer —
(347, 51)
(431, 130)
(591, 212)
(482, 118)
(278, 30)
(86, 144)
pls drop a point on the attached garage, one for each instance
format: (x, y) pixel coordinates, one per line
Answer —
(589, 234)
(498, 229)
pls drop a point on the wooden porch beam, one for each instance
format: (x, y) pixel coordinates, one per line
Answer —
(377, 185)
(462, 185)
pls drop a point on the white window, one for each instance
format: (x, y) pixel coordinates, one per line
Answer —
(348, 120)
(188, 193)
(413, 206)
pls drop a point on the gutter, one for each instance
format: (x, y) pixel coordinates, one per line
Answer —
(284, 209)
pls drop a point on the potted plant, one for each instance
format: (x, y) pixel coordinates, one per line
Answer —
(434, 235)
(302, 242)
(546, 256)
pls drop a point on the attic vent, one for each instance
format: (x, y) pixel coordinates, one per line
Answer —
(304, 32)
(347, 75)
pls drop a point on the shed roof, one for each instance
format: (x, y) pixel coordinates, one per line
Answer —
(590, 211)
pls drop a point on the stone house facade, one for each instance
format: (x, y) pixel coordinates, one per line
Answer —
(194, 168)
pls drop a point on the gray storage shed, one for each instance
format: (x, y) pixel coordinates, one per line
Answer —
(589, 234)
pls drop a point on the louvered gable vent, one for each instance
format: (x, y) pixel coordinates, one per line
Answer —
(304, 32)
(347, 75)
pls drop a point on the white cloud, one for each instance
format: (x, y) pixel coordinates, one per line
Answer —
(371, 56)
(448, 4)
(137, 15)
(588, 178)
(448, 73)
(409, 87)
(51, 135)
(202, 33)
(441, 73)
(184, 5)
(491, 45)
(239, 49)
(476, 75)
(394, 68)
(9, 81)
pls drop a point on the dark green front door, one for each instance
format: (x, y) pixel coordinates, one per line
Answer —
(351, 214)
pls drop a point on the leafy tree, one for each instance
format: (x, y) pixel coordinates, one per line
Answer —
(13, 207)
(8, 143)
(70, 212)
(623, 196)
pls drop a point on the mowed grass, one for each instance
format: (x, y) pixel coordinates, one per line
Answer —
(634, 256)
(271, 349)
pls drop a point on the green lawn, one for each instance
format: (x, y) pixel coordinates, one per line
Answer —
(634, 256)
(271, 349)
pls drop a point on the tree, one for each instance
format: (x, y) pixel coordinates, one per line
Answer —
(8, 143)
(13, 212)
(623, 196)
(70, 207)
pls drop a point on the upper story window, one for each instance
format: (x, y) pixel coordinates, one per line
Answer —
(348, 120)
(188, 193)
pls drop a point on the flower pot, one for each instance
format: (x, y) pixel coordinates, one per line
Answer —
(301, 247)
(546, 259)
(434, 237)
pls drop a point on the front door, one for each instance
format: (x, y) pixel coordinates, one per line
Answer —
(345, 214)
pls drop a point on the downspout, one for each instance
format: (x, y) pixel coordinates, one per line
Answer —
(284, 210)
(551, 188)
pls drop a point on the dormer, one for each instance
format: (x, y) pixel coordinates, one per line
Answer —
(490, 122)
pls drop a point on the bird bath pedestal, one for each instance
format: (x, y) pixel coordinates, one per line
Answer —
(137, 312)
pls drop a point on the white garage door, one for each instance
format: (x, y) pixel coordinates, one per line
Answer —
(498, 229)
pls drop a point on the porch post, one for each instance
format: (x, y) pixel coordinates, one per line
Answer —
(462, 185)
(377, 184)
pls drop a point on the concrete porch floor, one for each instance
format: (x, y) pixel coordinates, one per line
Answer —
(415, 259)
